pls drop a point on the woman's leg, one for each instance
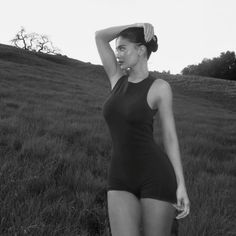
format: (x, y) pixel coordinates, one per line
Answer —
(157, 217)
(124, 212)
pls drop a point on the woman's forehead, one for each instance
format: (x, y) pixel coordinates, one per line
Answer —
(122, 41)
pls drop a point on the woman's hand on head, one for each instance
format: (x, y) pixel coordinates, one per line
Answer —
(148, 30)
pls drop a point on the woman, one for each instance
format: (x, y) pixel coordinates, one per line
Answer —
(146, 186)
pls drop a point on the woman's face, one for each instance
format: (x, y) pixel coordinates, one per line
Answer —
(126, 53)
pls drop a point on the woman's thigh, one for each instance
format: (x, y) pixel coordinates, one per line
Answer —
(124, 212)
(157, 217)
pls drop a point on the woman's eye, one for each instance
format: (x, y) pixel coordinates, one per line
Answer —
(120, 49)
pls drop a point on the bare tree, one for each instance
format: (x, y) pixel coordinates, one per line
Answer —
(34, 42)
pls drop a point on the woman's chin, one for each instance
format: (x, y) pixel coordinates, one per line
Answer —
(123, 67)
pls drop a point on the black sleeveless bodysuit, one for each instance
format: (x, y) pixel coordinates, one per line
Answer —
(138, 164)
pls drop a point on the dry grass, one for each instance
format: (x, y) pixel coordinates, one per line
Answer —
(55, 147)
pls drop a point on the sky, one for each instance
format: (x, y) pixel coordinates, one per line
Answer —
(188, 30)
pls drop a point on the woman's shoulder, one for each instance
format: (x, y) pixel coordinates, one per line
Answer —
(159, 83)
(161, 88)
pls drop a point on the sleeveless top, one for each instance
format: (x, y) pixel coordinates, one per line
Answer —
(136, 158)
(127, 112)
(129, 117)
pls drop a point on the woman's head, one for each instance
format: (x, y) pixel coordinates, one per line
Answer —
(134, 44)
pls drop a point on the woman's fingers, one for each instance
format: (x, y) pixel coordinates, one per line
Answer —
(185, 210)
(148, 31)
(183, 214)
(151, 33)
(145, 31)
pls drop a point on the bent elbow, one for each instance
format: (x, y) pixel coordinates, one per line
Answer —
(97, 33)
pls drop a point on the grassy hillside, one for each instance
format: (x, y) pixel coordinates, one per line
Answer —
(55, 147)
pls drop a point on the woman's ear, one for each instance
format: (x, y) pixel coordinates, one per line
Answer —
(142, 50)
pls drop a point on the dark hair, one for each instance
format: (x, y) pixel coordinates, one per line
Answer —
(136, 35)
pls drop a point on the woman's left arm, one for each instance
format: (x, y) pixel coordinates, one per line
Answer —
(170, 140)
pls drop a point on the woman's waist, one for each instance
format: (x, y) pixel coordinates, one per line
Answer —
(135, 148)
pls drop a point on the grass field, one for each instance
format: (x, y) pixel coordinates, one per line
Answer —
(55, 147)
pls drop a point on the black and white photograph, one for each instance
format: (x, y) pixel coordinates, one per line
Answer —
(118, 118)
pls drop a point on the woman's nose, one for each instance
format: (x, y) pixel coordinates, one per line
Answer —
(117, 55)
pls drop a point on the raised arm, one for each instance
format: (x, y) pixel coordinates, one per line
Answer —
(108, 58)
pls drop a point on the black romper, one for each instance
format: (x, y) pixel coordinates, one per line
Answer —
(138, 164)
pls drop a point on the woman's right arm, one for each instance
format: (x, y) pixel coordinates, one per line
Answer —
(108, 58)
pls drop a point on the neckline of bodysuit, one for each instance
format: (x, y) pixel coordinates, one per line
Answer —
(137, 82)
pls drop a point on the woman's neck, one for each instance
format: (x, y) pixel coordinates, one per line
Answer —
(138, 72)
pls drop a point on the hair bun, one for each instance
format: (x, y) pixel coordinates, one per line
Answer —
(152, 44)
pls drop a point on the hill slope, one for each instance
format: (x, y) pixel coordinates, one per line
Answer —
(55, 146)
